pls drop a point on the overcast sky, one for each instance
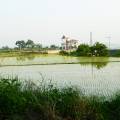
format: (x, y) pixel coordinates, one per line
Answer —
(45, 21)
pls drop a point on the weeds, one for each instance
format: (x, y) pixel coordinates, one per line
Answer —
(27, 102)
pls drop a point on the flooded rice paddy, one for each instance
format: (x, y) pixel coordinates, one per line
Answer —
(99, 76)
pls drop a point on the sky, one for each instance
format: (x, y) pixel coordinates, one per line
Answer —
(46, 21)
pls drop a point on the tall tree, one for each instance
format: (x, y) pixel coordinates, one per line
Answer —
(99, 49)
(21, 44)
(30, 44)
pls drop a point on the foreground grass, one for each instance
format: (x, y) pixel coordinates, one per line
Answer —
(30, 102)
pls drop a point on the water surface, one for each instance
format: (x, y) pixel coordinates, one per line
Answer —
(99, 76)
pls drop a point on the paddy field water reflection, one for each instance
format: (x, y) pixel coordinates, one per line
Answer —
(91, 75)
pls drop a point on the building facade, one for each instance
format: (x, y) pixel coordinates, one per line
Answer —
(69, 44)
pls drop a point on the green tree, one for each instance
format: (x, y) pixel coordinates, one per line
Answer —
(5, 48)
(83, 50)
(54, 47)
(21, 44)
(99, 49)
(30, 44)
(38, 46)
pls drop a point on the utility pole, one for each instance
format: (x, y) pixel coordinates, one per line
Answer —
(109, 41)
(91, 41)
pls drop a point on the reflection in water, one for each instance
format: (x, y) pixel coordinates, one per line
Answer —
(36, 59)
(26, 57)
(96, 62)
(97, 65)
(90, 77)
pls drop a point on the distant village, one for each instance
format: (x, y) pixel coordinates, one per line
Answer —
(67, 44)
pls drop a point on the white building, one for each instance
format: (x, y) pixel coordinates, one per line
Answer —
(69, 44)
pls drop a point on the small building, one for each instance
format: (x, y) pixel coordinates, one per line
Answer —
(69, 44)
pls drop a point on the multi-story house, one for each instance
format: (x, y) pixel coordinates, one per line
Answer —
(68, 43)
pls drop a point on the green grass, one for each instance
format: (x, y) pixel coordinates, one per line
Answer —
(26, 101)
(20, 53)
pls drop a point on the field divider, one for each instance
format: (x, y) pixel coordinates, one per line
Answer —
(57, 63)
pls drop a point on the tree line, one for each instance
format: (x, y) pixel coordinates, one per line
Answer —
(30, 45)
(98, 49)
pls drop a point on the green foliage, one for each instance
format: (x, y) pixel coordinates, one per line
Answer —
(118, 53)
(98, 49)
(20, 101)
(83, 50)
(5, 48)
(30, 44)
(115, 53)
(38, 46)
(21, 44)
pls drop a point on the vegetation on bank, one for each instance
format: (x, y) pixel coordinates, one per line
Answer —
(20, 101)
(115, 53)
(98, 49)
(29, 46)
